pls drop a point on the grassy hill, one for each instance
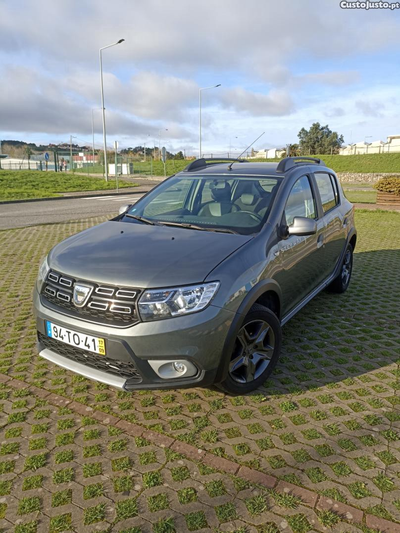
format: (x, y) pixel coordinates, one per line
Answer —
(372, 163)
(360, 163)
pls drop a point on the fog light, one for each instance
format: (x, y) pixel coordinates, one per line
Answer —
(180, 367)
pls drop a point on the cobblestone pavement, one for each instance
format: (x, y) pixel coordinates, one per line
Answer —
(328, 420)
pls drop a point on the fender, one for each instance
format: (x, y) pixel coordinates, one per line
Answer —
(350, 235)
(252, 296)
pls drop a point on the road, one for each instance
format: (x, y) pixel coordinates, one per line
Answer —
(19, 215)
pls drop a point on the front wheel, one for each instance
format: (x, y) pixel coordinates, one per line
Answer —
(255, 353)
(342, 281)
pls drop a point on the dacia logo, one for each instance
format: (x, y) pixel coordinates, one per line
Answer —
(81, 294)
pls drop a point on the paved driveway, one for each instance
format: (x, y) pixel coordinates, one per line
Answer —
(328, 420)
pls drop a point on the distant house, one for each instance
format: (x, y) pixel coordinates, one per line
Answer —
(269, 153)
(392, 145)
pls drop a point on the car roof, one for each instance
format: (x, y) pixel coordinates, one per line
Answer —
(201, 167)
(237, 168)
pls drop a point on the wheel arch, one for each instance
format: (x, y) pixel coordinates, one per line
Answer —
(265, 293)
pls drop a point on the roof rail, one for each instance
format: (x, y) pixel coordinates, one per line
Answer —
(289, 162)
(204, 162)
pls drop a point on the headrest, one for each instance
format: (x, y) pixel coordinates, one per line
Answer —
(220, 191)
(248, 199)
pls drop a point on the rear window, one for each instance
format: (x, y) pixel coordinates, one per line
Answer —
(329, 195)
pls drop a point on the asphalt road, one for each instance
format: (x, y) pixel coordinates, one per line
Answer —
(19, 215)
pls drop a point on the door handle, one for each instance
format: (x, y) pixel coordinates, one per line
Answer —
(345, 222)
(320, 241)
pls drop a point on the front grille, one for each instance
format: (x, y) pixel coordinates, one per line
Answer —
(109, 305)
(111, 366)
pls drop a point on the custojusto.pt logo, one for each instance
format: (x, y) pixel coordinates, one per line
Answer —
(344, 4)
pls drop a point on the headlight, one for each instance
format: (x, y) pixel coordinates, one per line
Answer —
(167, 303)
(42, 275)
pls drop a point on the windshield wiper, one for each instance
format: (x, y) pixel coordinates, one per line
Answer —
(200, 228)
(142, 219)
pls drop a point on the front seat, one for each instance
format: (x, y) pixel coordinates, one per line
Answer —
(221, 203)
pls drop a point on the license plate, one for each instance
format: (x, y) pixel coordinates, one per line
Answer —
(79, 340)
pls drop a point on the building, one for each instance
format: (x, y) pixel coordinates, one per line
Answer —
(269, 153)
(392, 145)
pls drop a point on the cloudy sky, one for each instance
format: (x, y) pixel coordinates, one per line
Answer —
(282, 65)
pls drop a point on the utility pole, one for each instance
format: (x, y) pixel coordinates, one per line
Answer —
(71, 165)
(93, 137)
(116, 162)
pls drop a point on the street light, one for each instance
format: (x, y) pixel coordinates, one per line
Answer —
(71, 163)
(203, 89)
(102, 103)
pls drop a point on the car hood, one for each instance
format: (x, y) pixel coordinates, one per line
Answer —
(143, 256)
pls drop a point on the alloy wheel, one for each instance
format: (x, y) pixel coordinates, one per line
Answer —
(254, 348)
(346, 268)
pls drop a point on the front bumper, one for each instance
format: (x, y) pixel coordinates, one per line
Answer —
(198, 338)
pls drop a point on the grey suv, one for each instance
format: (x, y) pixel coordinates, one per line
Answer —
(190, 286)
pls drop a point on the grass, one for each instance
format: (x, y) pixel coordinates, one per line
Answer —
(24, 184)
(367, 163)
(361, 197)
(196, 520)
(95, 514)
(126, 509)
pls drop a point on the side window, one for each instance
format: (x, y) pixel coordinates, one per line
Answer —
(329, 195)
(300, 202)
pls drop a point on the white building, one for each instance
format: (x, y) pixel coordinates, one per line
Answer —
(392, 145)
(12, 163)
(269, 153)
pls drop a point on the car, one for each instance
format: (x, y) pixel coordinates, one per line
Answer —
(191, 285)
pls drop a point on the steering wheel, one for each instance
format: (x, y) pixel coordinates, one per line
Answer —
(253, 215)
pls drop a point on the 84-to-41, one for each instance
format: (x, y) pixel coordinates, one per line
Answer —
(73, 338)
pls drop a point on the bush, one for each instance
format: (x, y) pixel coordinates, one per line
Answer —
(391, 184)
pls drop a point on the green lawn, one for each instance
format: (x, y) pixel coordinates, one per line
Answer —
(339, 163)
(360, 163)
(361, 197)
(22, 184)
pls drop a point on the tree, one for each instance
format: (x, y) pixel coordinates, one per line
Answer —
(179, 155)
(319, 140)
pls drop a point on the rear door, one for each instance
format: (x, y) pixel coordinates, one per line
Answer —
(300, 256)
(335, 223)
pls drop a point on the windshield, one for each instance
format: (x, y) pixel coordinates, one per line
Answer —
(214, 203)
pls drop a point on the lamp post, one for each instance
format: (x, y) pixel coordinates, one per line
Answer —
(71, 162)
(102, 103)
(203, 89)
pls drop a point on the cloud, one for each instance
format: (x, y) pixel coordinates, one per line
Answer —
(31, 103)
(335, 112)
(274, 59)
(370, 109)
(338, 78)
(275, 103)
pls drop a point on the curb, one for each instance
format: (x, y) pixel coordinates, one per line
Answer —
(90, 195)
(309, 498)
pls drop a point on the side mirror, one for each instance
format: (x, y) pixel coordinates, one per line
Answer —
(123, 209)
(303, 226)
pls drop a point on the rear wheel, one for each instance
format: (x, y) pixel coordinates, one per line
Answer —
(255, 353)
(342, 281)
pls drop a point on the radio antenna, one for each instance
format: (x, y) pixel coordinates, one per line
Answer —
(245, 150)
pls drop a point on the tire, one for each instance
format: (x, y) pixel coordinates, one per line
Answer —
(341, 283)
(259, 343)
